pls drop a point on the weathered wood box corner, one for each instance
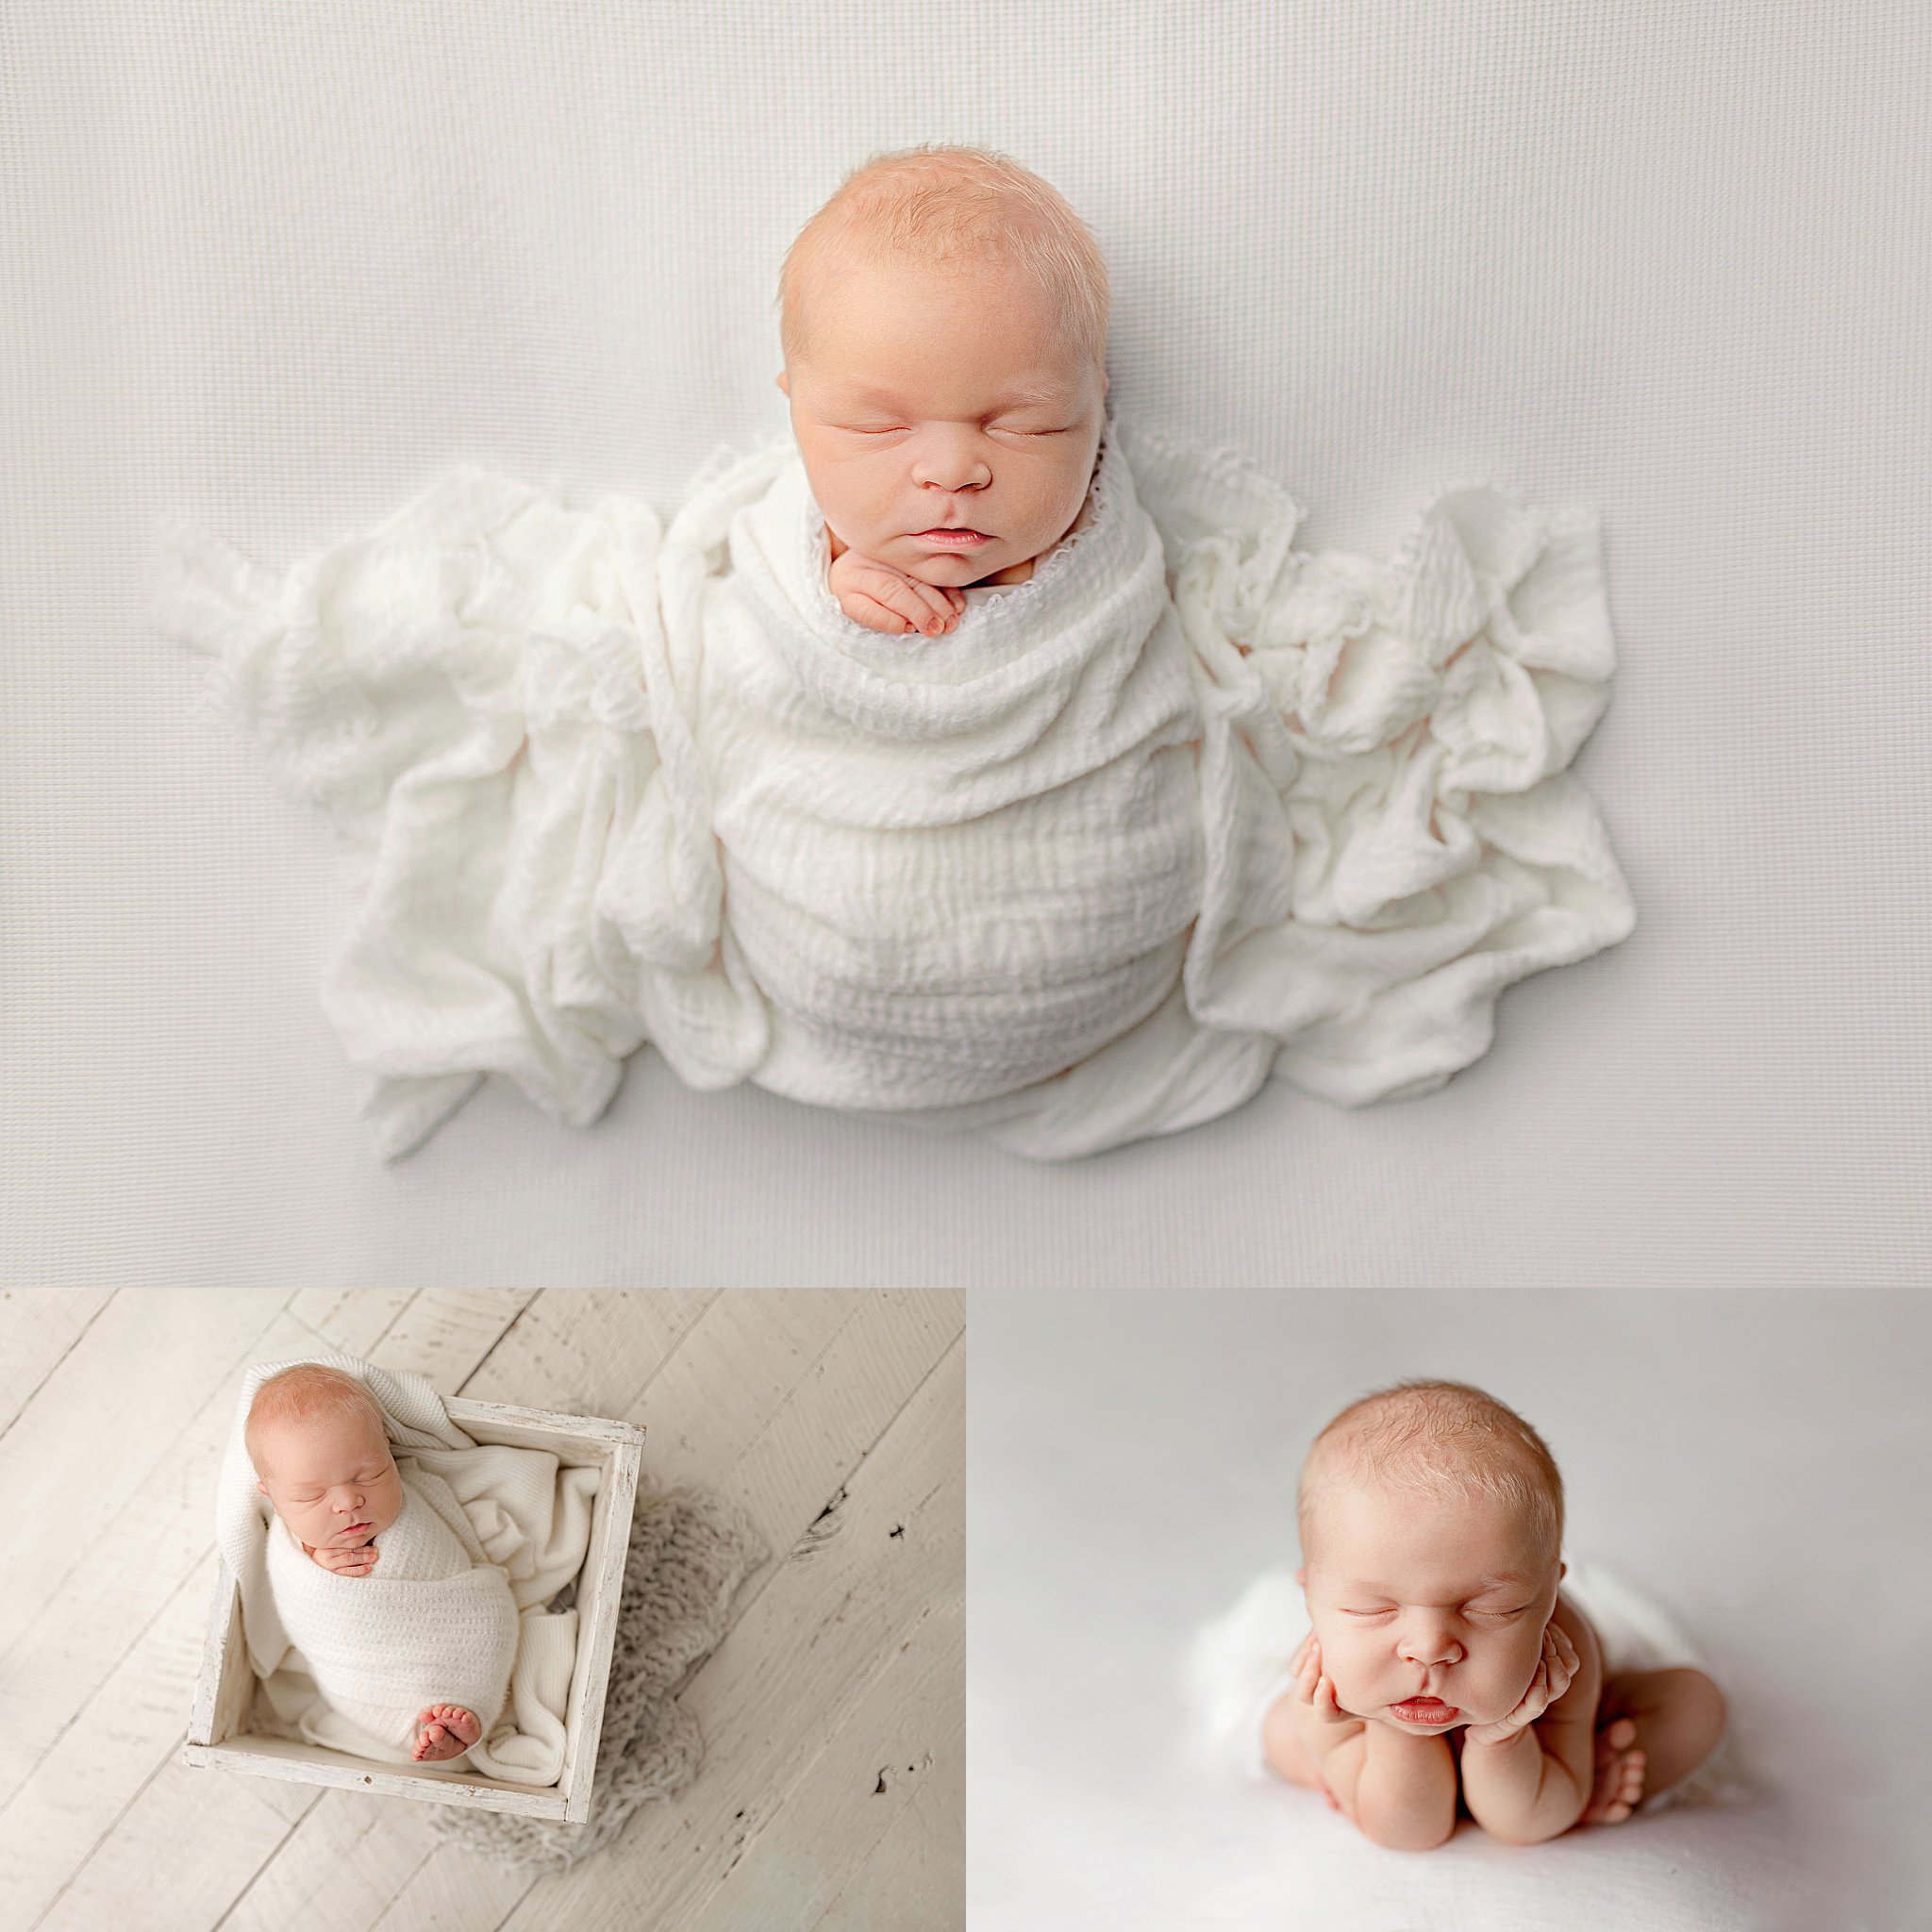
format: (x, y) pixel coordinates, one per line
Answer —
(225, 1689)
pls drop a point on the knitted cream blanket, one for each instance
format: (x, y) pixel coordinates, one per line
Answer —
(454, 1609)
(1187, 807)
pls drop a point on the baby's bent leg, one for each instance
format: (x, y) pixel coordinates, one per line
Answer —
(1679, 1719)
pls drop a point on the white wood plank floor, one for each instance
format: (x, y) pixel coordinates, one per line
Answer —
(833, 1792)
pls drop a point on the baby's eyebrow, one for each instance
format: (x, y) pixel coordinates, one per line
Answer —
(1503, 1579)
(1024, 392)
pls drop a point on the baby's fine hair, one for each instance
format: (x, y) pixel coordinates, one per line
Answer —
(1433, 1435)
(939, 204)
(306, 1393)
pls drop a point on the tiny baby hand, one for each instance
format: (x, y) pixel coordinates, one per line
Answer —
(1314, 1689)
(882, 598)
(1555, 1670)
(348, 1562)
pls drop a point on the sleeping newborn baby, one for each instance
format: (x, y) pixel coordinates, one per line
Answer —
(970, 392)
(368, 1578)
(1449, 1665)
(971, 757)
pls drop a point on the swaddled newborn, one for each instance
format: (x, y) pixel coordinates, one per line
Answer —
(948, 404)
(969, 758)
(1445, 1667)
(369, 1579)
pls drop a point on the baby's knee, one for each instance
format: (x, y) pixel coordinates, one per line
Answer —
(1408, 1834)
(1704, 1712)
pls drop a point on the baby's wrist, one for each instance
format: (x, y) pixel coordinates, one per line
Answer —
(1322, 1734)
(1486, 1738)
(1414, 1744)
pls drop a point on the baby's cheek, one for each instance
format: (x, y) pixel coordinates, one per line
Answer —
(1505, 1674)
(1350, 1666)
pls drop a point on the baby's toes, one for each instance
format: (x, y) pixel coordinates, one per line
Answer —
(1621, 1733)
(1605, 1787)
(1617, 1795)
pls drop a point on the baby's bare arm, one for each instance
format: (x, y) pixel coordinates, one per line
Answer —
(1400, 1791)
(1524, 1784)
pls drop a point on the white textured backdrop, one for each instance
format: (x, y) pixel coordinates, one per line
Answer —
(274, 267)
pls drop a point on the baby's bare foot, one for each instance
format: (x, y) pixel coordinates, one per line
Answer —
(444, 1730)
(1620, 1766)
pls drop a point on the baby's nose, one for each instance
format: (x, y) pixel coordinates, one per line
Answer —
(952, 470)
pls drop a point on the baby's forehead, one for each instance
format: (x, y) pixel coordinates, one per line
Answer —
(331, 1435)
(1369, 1506)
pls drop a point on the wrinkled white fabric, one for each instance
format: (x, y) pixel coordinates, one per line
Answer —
(487, 1535)
(1187, 807)
(1237, 1666)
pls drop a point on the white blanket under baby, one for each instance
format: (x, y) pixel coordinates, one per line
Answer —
(1237, 1667)
(454, 1609)
(1188, 806)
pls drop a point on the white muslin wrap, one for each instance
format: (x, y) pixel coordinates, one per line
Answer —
(1188, 806)
(453, 1611)
(1237, 1667)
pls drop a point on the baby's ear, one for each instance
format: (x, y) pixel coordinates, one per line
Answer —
(1300, 1577)
(783, 384)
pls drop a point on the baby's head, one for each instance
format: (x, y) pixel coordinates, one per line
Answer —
(1431, 1523)
(317, 1440)
(943, 318)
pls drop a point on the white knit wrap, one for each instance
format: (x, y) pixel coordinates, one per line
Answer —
(432, 1623)
(1187, 807)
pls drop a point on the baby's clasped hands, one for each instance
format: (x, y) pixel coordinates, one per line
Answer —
(882, 598)
(347, 1562)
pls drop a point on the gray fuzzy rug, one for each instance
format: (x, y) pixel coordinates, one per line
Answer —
(690, 1551)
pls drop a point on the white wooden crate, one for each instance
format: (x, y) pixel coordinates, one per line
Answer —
(225, 1687)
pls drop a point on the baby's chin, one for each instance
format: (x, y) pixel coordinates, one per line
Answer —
(958, 566)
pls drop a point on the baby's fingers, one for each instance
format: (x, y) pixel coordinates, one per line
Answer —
(1563, 1672)
(874, 615)
(922, 604)
(1308, 1675)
